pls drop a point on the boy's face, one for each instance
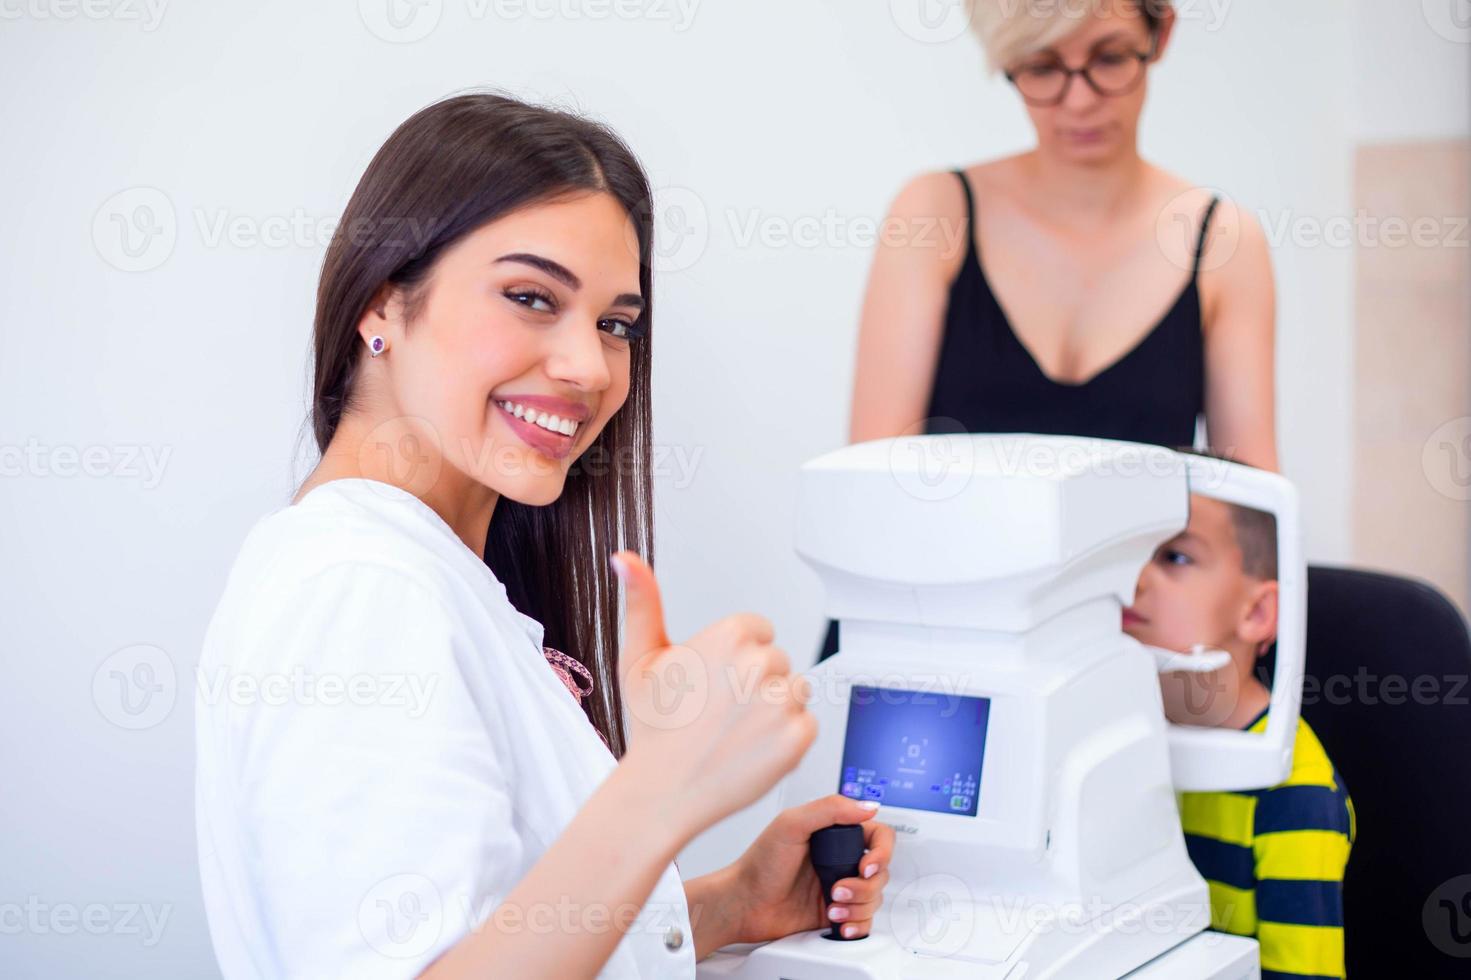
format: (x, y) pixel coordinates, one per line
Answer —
(1193, 587)
(1194, 591)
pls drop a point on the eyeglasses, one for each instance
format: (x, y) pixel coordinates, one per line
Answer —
(1109, 72)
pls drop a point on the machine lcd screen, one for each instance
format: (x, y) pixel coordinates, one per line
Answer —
(915, 749)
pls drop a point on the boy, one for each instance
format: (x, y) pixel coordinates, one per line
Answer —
(1273, 858)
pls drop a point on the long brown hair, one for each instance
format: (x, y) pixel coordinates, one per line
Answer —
(445, 172)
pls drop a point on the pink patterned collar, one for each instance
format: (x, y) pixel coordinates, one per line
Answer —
(566, 668)
(570, 671)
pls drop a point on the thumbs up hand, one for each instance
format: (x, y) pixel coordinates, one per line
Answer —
(719, 717)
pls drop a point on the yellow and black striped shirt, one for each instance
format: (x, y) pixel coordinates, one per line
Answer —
(1274, 861)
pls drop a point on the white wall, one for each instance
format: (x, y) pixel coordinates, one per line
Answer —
(1411, 70)
(262, 115)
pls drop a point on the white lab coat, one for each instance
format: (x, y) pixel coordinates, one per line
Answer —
(383, 752)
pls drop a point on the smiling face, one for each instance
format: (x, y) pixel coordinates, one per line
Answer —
(1087, 127)
(520, 347)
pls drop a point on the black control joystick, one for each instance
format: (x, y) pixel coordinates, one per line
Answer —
(836, 851)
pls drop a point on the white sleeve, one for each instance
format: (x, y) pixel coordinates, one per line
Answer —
(371, 788)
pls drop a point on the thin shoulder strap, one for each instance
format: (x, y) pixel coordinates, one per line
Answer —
(1205, 227)
(970, 212)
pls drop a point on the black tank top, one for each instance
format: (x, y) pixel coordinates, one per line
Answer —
(987, 381)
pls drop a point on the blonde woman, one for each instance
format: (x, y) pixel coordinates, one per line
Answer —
(1091, 292)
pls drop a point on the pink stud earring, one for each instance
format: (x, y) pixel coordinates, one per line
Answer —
(376, 345)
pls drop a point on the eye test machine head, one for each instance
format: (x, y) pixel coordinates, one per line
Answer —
(1014, 736)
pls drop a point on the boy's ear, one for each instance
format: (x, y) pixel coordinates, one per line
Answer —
(1258, 624)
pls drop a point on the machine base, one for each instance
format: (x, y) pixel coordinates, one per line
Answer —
(1204, 956)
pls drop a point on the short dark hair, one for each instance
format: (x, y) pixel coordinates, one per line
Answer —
(1256, 530)
(1256, 536)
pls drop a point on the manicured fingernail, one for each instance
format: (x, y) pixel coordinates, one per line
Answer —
(869, 804)
(850, 931)
(841, 894)
(837, 913)
(620, 567)
(870, 871)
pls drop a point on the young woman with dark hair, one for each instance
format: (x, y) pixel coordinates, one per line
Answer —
(421, 750)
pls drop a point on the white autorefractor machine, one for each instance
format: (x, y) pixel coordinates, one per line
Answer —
(985, 694)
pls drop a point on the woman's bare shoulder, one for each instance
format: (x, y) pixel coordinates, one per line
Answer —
(1004, 177)
(1234, 254)
(928, 219)
(941, 190)
(932, 193)
(1174, 195)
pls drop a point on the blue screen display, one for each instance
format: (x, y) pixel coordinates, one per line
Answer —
(915, 749)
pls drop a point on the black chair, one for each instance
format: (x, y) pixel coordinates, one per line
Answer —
(1388, 691)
